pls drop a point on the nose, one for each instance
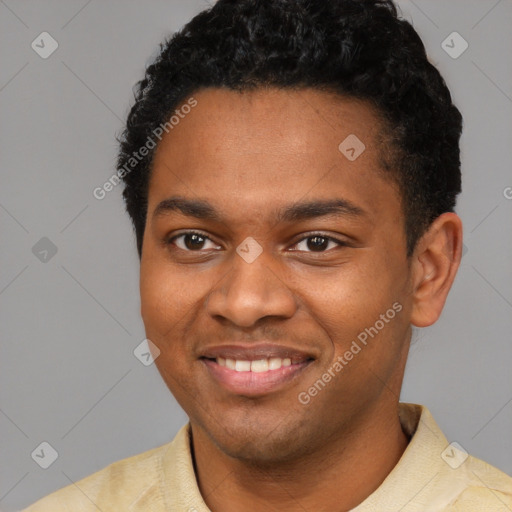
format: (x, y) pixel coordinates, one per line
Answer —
(250, 292)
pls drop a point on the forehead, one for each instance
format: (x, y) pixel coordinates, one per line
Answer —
(293, 121)
(268, 147)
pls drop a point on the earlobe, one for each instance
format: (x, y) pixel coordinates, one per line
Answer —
(435, 263)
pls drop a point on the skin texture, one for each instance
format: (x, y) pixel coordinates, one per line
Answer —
(250, 154)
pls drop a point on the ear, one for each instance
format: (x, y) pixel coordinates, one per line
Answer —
(434, 265)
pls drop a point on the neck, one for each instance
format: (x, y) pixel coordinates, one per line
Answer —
(337, 477)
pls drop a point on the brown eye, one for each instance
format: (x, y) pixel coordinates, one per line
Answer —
(317, 243)
(192, 241)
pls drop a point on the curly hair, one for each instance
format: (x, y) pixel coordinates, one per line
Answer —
(356, 48)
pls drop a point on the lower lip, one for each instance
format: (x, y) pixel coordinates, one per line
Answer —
(253, 383)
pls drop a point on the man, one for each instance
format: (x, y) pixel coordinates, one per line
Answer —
(291, 169)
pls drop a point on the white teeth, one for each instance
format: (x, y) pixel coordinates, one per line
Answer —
(274, 363)
(257, 366)
(242, 366)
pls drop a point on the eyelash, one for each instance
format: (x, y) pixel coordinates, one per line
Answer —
(311, 235)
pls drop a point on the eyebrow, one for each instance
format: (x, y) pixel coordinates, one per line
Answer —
(197, 208)
(201, 209)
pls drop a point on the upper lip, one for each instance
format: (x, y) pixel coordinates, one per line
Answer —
(255, 352)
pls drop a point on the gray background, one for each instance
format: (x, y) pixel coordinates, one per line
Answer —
(69, 325)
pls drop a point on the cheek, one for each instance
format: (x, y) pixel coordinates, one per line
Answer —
(351, 299)
(165, 293)
(172, 308)
(162, 305)
(155, 296)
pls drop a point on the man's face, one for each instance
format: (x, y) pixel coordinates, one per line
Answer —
(267, 163)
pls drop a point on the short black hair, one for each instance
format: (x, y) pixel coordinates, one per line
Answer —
(359, 49)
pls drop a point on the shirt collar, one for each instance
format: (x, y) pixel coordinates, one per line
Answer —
(414, 476)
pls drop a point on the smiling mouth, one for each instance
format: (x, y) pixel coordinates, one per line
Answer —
(256, 366)
(255, 377)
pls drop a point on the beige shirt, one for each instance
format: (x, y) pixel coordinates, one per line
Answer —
(430, 476)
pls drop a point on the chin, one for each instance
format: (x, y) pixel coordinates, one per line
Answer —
(260, 452)
(262, 444)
